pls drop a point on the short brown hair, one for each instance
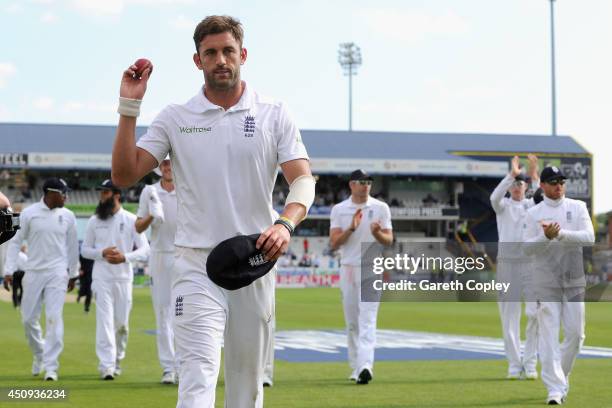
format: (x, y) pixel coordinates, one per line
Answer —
(218, 25)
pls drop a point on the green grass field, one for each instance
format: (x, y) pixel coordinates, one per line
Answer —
(436, 384)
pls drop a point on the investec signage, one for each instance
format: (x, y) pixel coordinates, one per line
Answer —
(425, 167)
(70, 160)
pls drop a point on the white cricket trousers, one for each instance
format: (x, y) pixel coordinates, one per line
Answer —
(113, 305)
(558, 359)
(48, 287)
(360, 318)
(161, 265)
(517, 274)
(206, 316)
(269, 360)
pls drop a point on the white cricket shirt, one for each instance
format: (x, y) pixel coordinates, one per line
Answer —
(558, 262)
(224, 163)
(510, 217)
(341, 216)
(162, 233)
(119, 231)
(52, 241)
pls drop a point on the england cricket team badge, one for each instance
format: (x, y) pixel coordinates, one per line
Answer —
(249, 126)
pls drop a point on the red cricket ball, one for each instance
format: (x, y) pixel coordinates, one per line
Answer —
(141, 65)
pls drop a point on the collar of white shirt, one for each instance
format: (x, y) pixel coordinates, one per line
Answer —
(43, 205)
(553, 203)
(353, 204)
(201, 104)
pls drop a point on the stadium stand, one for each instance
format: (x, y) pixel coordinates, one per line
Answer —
(435, 183)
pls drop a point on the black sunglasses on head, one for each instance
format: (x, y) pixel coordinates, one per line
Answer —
(364, 182)
(555, 182)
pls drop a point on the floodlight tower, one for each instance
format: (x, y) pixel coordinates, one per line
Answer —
(553, 69)
(349, 57)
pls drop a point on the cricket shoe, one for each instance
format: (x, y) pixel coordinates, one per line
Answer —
(37, 366)
(168, 378)
(108, 374)
(365, 376)
(555, 400)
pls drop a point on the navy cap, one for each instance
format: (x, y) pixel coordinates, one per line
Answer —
(520, 177)
(360, 175)
(108, 185)
(236, 262)
(55, 184)
(551, 173)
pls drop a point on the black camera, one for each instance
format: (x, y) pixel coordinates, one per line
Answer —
(9, 224)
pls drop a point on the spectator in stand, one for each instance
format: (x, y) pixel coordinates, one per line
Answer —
(429, 200)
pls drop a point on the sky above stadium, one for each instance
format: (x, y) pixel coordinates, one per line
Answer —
(435, 66)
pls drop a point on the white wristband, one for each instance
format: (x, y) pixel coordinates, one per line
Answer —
(129, 107)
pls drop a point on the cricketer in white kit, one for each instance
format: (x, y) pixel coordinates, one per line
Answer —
(515, 268)
(225, 145)
(52, 268)
(555, 231)
(357, 220)
(157, 208)
(110, 240)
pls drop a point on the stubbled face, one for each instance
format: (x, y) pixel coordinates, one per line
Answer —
(554, 189)
(166, 170)
(360, 188)
(517, 190)
(220, 57)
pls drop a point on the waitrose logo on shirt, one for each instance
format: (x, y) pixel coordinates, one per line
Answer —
(194, 129)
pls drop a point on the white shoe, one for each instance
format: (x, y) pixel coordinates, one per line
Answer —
(531, 375)
(555, 400)
(513, 376)
(37, 366)
(117, 371)
(50, 376)
(168, 378)
(108, 374)
(267, 381)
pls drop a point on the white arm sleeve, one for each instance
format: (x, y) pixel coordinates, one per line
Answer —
(142, 249)
(585, 233)
(72, 244)
(88, 248)
(497, 196)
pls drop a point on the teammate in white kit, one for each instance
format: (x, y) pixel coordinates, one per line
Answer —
(514, 268)
(225, 144)
(157, 208)
(110, 239)
(359, 219)
(52, 268)
(555, 231)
